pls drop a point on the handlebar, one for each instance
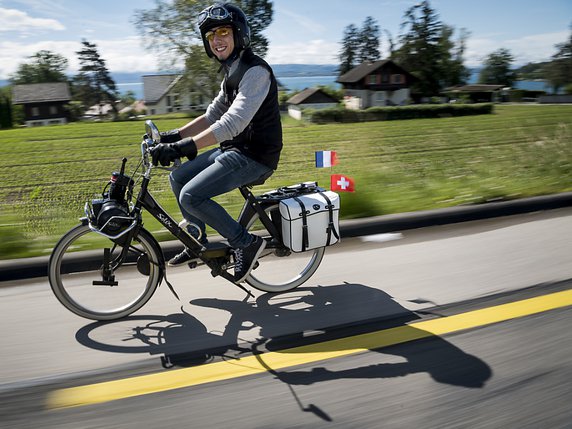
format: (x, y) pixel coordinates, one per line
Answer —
(152, 138)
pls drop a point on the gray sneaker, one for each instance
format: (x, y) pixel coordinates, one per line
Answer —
(245, 258)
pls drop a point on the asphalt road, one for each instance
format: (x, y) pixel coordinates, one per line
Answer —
(510, 374)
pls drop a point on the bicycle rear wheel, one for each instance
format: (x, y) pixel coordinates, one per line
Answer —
(279, 269)
(89, 276)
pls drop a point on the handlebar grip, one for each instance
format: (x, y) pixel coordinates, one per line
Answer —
(176, 164)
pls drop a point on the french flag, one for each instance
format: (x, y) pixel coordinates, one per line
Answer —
(326, 158)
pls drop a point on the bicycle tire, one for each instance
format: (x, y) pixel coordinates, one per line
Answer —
(76, 277)
(280, 270)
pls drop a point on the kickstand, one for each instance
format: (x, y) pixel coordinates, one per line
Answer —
(171, 288)
(227, 276)
(248, 293)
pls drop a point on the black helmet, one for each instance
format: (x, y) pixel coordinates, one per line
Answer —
(225, 14)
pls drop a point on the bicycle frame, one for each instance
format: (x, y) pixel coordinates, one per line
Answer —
(215, 256)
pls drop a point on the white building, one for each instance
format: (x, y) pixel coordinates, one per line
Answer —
(165, 93)
(310, 98)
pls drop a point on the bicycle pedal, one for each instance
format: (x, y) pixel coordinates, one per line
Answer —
(193, 264)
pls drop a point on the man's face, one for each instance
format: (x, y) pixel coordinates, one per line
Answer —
(221, 41)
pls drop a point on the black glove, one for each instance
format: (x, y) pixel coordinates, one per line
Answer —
(164, 154)
(171, 136)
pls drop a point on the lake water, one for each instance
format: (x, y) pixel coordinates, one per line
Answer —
(298, 83)
(302, 82)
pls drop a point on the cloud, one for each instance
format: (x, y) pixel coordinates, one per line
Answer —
(310, 52)
(16, 20)
(531, 48)
(54, 8)
(122, 55)
(15, 53)
(309, 24)
(127, 55)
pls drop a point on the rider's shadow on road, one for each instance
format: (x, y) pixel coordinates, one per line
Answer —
(285, 321)
(306, 311)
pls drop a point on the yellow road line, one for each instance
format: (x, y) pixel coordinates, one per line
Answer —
(186, 377)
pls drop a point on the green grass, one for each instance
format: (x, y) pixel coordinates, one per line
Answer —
(398, 166)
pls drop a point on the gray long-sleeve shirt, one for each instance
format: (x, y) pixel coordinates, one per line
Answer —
(228, 122)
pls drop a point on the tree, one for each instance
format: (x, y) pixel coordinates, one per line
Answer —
(391, 43)
(420, 52)
(428, 50)
(350, 45)
(5, 108)
(359, 45)
(531, 71)
(128, 98)
(368, 41)
(45, 67)
(259, 13)
(170, 30)
(497, 68)
(559, 71)
(94, 84)
(452, 69)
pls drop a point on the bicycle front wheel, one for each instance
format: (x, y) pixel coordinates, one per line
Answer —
(93, 277)
(279, 269)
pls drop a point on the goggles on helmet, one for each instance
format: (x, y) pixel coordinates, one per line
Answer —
(217, 13)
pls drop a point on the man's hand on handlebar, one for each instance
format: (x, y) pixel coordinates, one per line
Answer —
(164, 154)
(170, 136)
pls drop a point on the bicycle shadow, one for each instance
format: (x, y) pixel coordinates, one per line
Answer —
(315, 314)
(179, 339)
(286, 320)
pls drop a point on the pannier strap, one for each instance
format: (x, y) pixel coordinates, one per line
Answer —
(331, 227)
(304, 214)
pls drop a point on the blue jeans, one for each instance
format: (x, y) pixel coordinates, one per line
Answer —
(210, 174)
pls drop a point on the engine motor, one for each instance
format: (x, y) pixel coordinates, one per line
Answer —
(111, 213)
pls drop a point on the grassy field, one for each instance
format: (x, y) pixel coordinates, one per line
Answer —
(518, 151)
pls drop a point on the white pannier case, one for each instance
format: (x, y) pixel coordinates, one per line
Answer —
(310, 221)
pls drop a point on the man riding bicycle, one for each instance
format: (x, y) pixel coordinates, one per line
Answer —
(244, 120)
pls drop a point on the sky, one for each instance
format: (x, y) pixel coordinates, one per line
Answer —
(302, 31)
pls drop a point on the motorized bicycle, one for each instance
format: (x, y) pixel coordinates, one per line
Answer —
(109, 265)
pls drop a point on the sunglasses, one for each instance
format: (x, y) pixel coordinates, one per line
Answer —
(213, 12)
(220, 32)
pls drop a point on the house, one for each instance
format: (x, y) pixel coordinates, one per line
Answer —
(44, 103)
(310, 98)
(135, 108)
(478, 93)
(98, 111)
(164, 93)
(378, 83)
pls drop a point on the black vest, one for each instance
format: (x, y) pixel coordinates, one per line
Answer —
(261, 140)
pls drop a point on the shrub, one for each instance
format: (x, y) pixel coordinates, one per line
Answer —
(524, 94)
(340, 114)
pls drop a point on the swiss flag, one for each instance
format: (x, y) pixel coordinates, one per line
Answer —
(340, 182)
